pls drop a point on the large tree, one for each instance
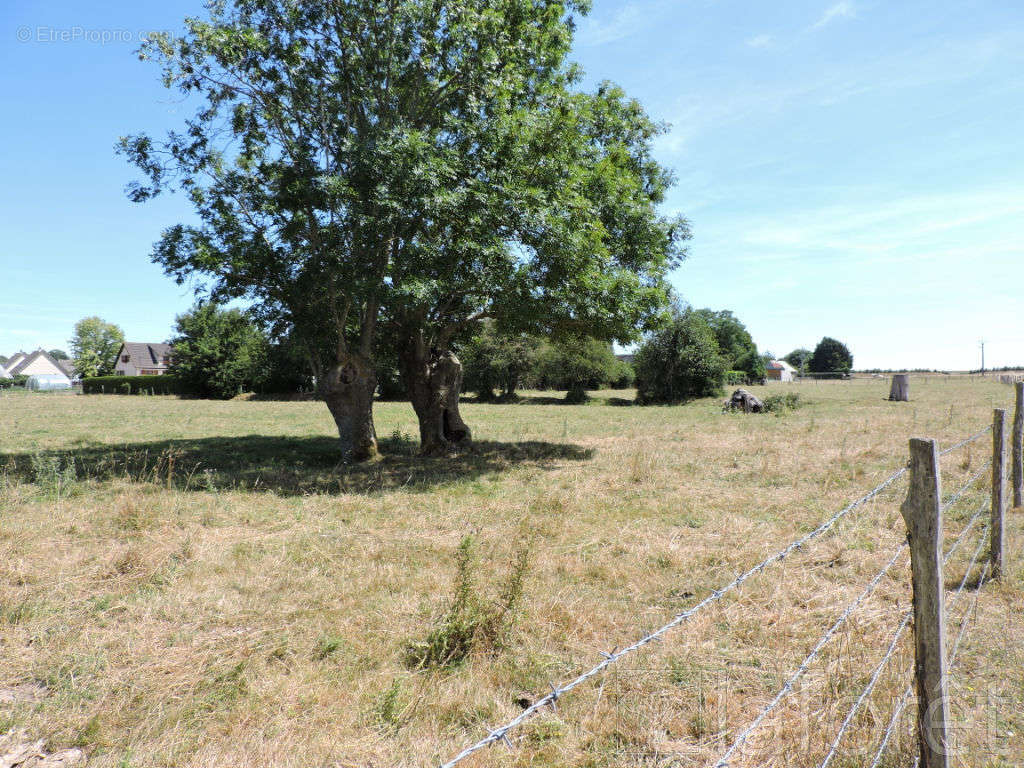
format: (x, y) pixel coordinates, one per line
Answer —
(405, 169)
(95, 345)
(831, 358)
(735, 343)
(217, 352)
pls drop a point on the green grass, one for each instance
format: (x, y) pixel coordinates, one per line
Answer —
(210, 586)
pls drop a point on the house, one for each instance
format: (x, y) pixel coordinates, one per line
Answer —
(38, 363)
(16, 358)
(134, 359)
(779, 370)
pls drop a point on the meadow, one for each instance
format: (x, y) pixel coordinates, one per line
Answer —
(198, 583)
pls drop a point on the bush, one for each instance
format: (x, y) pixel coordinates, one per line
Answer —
(131, 385)
(680, 362)
(782, 403)
(14, 381)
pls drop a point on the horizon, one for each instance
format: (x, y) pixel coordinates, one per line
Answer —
(849, 169)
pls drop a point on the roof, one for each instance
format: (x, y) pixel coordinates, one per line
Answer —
(68, 366)
(14, 359)
(144, 355)
(780, 365)
(27, 361)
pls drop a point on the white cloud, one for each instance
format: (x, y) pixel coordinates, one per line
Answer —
(841, 10)
(760, 41)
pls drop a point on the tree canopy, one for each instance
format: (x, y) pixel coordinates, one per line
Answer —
(217, 352)
(680, 362)
(799, 358)
(95, 345)
(830, 356)
(735, 344)
(415, 166)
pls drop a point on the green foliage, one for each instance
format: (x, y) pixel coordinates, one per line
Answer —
(478, 182)
(95, 344)
(782, 403)
(623, 375)
(54, 474)
(680, 362)
(799, 358)
(217, 352)
(471, 621)
(576, 364)
(58, 354)
(831, 357)
(735, 344)
(131, 385)
(14, 381)
(497, 361)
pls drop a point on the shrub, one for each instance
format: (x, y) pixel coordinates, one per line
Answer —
(14, 381)
(471, 622)
(131, 385)
(680, 362)
(782, 403)
(735, 378)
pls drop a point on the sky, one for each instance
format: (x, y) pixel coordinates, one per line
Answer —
(850, 169)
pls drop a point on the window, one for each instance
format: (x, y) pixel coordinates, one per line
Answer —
(124, 358)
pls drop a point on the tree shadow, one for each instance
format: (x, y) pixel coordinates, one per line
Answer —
(284, 465)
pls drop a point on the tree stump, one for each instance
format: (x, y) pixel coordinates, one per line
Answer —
(900, 389)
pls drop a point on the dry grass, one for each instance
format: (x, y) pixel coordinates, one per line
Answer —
(201, 584)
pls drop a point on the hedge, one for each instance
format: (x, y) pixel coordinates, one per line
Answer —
(16, 381)
(130, 385)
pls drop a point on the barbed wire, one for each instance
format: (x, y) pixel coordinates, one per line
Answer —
(551, 698)
(963, 533)
(893, 645)
(967, 440)
(898, 709)
(966, 486)
(788, 685)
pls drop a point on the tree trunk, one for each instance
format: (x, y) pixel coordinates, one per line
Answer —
(348, 392)
(435, 385)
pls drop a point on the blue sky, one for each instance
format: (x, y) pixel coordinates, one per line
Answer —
(850, 168)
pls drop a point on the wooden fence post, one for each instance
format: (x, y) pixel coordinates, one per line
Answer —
(998, 485)
(1018, 443)
(922, 513)
(900, 389)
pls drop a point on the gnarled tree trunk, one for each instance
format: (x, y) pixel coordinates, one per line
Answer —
(348, 391)
(434, 379)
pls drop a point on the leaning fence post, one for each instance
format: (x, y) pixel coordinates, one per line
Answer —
(922, 513)
(998, 484)
(1018, 444)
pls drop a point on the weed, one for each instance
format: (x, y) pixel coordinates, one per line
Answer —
(54, 474)
(471, 622)
(327, 646)
(388, 709)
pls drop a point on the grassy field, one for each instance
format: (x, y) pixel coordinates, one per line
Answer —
(192, 583)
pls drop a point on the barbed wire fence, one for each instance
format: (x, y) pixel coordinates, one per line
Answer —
(941, 507)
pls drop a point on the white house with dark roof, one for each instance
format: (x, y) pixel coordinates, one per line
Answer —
(135, 359)
(779, 370)
(16, 358)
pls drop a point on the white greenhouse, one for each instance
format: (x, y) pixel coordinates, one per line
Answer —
(46, 382)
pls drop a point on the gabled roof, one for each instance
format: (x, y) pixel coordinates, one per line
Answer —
(14, 359)
(145, 355)
(780, 365)
(38, 354)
